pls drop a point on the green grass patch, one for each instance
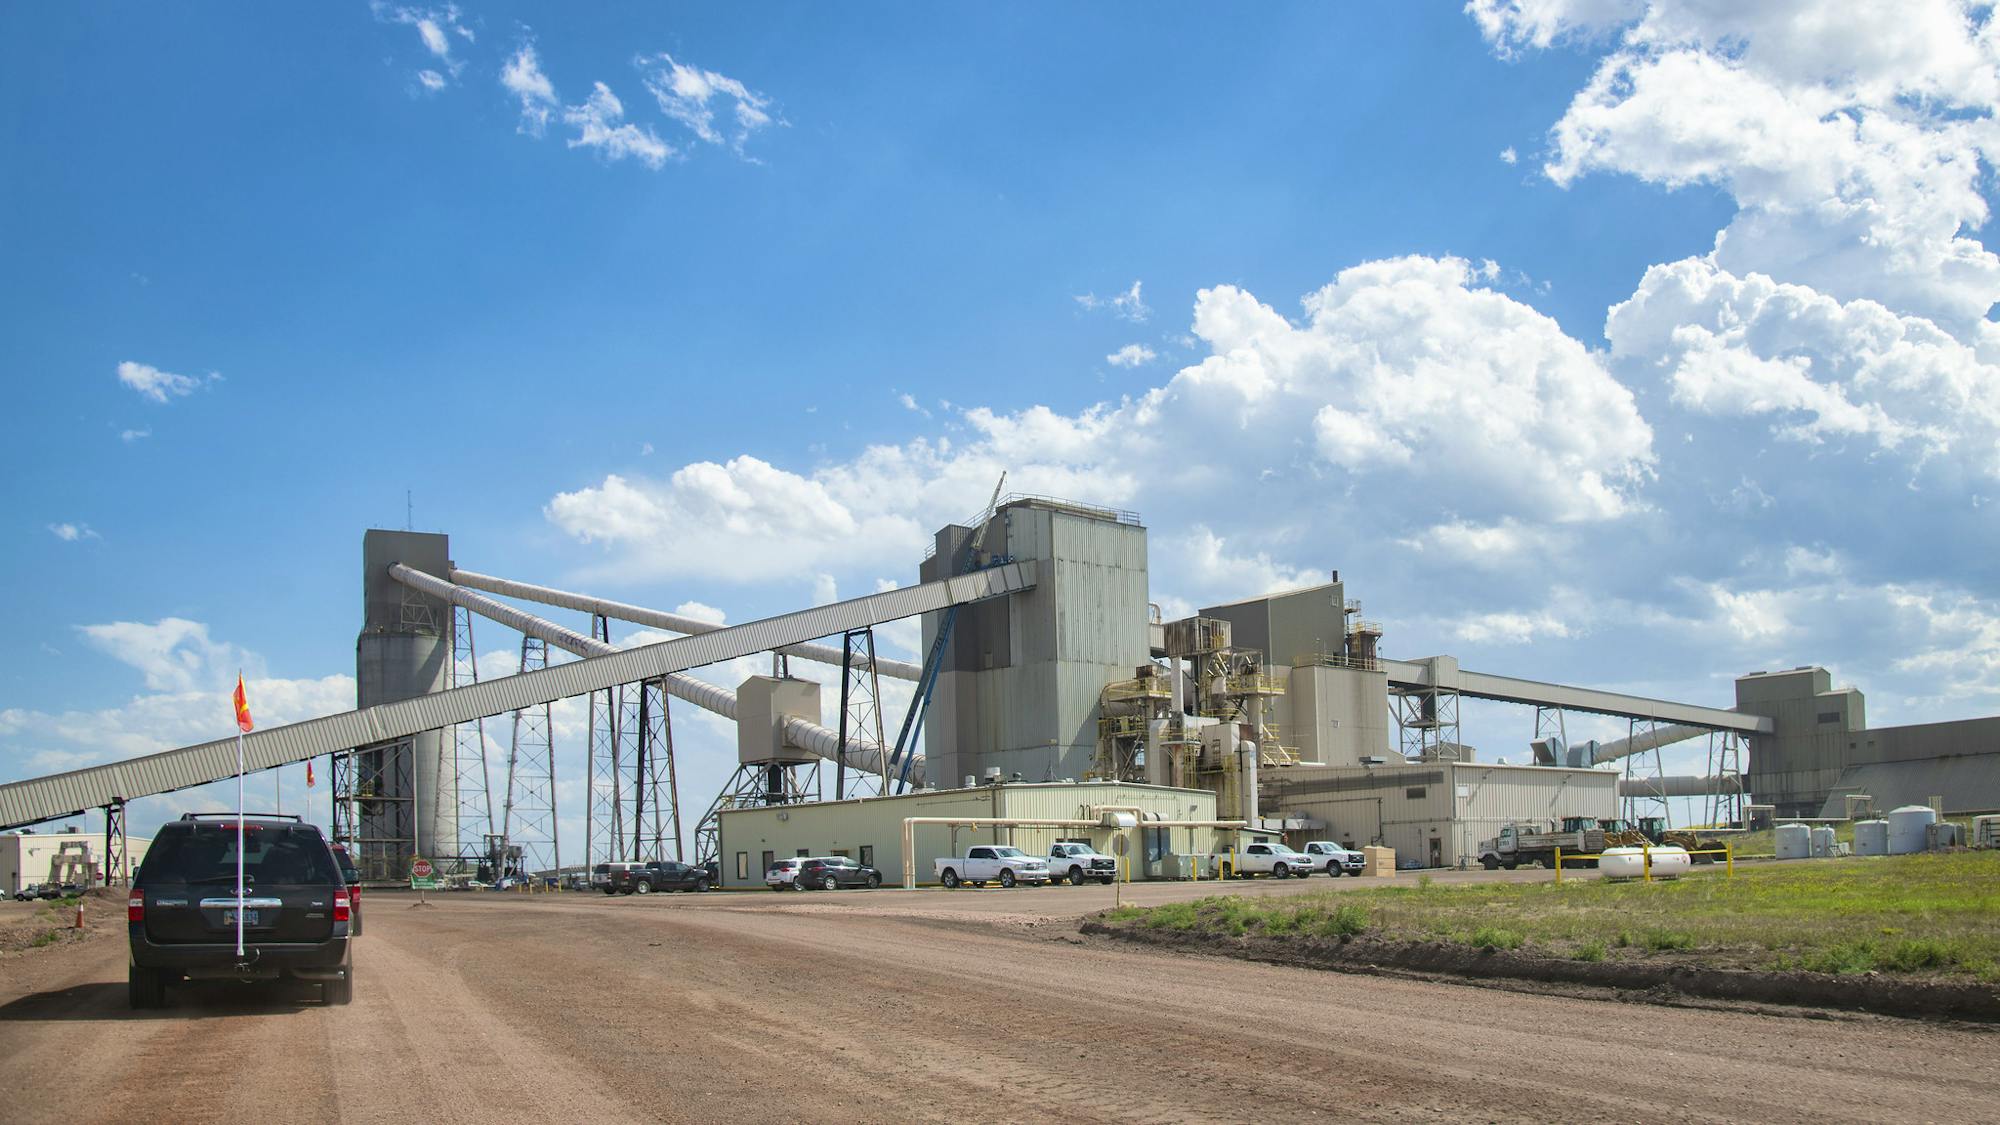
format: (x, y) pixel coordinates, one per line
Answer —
(1494, 937)
(1928, 915)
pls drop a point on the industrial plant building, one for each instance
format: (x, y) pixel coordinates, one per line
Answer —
(1051, 689)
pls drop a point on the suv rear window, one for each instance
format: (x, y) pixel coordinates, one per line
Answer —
(206, 853)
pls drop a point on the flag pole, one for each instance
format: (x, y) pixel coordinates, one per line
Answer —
(239, 824)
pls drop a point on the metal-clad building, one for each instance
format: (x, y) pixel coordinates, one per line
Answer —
(1435, 813)
(25, 856)
(1822, 750)
(1020, 681)
(870, 830)
(1291, 627)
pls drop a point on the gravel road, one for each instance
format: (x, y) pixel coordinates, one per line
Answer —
(895, 1006)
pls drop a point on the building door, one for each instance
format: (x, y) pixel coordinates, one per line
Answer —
(769, 859)
(1437, 852)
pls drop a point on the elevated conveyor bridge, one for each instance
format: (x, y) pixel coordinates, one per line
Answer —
(109, 786)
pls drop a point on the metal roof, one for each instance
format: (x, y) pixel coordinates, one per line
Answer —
(65, 794)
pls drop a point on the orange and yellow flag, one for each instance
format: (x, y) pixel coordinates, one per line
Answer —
(242, 707)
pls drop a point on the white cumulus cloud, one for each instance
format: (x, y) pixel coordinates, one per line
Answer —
(1405, 373)
(72, 532)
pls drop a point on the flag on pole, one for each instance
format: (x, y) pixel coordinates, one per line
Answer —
(309, 773)
(242, 728)
(242, 706)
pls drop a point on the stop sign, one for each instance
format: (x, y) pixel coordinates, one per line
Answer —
(420, 868)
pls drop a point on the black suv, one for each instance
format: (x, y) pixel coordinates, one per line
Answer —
(182, 912)
(658, 876)
(833, 872)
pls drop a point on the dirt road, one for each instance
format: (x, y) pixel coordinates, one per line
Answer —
(887, 1006)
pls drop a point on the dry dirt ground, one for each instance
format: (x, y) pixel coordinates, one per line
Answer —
(856, 1006)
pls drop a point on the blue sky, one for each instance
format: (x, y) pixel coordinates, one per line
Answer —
(1631, 343)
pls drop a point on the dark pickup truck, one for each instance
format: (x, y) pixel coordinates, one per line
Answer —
(659, 875)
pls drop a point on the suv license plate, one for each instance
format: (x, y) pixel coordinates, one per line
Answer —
(249, 917)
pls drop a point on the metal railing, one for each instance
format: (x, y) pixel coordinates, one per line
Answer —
(1727, 853)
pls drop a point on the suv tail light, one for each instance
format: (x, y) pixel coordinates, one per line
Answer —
(135, 908)
(341, 913)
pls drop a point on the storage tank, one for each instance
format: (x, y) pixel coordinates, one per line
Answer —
(1822, 841)
(1871, 837)
(1630, 863)
(1795, 841)
(1908, 827)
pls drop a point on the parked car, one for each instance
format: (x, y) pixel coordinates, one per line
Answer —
(31, 891)
(604, 874)
(1260, 858)
(49, 890)
(785, 873)
(182, 913)
(1077, 861)
(992, 863)
(660, 875)
(830, 873)
(1335, 858)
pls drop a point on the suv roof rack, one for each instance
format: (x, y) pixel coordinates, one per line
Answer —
(246, 816)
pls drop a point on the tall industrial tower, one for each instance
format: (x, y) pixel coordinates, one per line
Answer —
(385, 796)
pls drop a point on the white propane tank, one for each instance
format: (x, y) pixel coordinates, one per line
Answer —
(1871, 837)
(1822, 841)
(1794, 841)
(1907, 828)
(1668, 862)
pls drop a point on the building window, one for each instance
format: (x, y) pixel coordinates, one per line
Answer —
(838, 851)
(1829, 716)
(867, 855)
(742, 865)
(1416, 792)
(804, 853)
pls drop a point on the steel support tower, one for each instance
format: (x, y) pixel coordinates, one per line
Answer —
(604, 819)
(860, 712)
(655, 790)
(1644, 793)
(754, 785)
(374, 812)
(472, 780)
(1426, 719)
(528, 820)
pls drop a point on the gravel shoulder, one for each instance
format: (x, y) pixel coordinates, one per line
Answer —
(894, 1006)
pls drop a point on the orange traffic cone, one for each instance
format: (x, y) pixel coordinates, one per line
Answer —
(79, 914)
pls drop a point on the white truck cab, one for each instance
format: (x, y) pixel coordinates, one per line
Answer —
(1335, 858)
(1261, 857)
(992, 863)
(1077, 861)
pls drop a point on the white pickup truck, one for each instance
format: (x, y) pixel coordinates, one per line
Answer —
(1273, 859)
(1078, 861)
(1334, 858)
(992, 863)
